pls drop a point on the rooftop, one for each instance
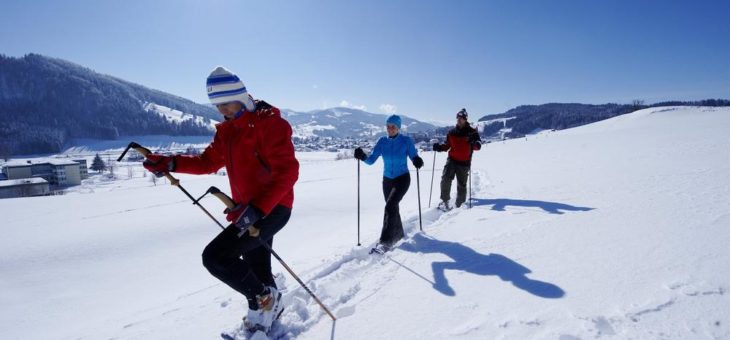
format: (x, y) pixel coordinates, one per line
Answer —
(22, 181)
(38, 161)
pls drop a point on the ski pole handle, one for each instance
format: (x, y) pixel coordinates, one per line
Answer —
(227, 201)
(146, 152)
(230, 204)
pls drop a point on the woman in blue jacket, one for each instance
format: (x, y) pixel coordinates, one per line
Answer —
(394, 148)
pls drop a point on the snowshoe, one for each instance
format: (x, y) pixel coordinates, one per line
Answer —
(381, 249)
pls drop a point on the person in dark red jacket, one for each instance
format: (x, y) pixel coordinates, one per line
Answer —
(461, 142)
(254, 144)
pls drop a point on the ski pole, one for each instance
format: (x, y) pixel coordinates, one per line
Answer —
(173, 181)
(471, 205)
(228, 202)
(433, 170)
(471, 159)
(358, 201)
(418, 187)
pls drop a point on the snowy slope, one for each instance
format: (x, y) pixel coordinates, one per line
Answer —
(617, 229)
(177, 116)
(345, 122)
(153, 142)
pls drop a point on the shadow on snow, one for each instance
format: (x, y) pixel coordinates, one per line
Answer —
(498, 204)
(470, 261)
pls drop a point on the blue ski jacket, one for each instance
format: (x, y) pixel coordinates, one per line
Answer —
(394, 150)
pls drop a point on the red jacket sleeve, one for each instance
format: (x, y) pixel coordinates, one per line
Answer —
(206, 163)
(278, 154)
(447, 143)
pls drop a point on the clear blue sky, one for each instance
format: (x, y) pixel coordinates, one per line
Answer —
(425, 58)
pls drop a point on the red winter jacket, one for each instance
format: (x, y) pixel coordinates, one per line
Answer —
(459, 146)
(258, 154)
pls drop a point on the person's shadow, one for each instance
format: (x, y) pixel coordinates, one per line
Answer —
(470, 261)
(498, 204)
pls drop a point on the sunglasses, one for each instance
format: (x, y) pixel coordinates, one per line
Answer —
(391, 126)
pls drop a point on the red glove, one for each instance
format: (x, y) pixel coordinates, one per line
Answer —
(159, 164)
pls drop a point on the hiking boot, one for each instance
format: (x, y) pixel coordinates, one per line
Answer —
(270, 306)
(444, 206)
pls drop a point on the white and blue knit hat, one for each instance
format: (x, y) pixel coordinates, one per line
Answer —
(224, 87)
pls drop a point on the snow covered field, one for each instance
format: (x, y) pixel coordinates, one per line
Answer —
(618, 229)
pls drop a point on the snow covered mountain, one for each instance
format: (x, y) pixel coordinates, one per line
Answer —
(530, 119)
(45, 101)
(178, 117)
(593, 232)
(346, 122)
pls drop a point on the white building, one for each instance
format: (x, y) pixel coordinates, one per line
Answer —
(24, 187)
(61, 172)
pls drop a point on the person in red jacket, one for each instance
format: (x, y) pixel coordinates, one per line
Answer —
(461, 142)
(254, 144)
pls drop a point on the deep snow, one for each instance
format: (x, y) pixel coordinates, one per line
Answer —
(617, 229)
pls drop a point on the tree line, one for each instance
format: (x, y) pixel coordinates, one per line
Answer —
(45, 101)
(527, 119)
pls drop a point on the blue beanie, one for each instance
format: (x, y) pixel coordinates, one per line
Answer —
(395, 120)
(224, 87)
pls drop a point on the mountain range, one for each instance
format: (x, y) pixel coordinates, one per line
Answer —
(345, 122)
(527, 119)
(45, 102)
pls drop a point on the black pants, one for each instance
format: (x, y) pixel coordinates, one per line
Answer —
(242, 262)
(393, 190)
(461, 172)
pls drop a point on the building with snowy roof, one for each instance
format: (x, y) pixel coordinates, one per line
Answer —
(62, 172)
(24, 187)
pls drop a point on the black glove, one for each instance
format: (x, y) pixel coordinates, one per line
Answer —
(359, 154)
(244, 217)
(474, 138)
(418, 162)
(437, 147)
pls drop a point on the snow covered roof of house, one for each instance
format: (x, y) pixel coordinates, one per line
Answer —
(38, 161)
(22, 181)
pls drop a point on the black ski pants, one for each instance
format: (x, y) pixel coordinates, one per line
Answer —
(393, 190)
(461, 172)
(242, 262)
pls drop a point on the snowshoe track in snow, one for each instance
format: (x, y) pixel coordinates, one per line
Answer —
(337, 283)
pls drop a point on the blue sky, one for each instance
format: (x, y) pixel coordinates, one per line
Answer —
(424, 59)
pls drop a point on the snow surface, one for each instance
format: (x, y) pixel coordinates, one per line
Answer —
(88, 146)
(618, 229)
(308, 129)
(177, 116)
